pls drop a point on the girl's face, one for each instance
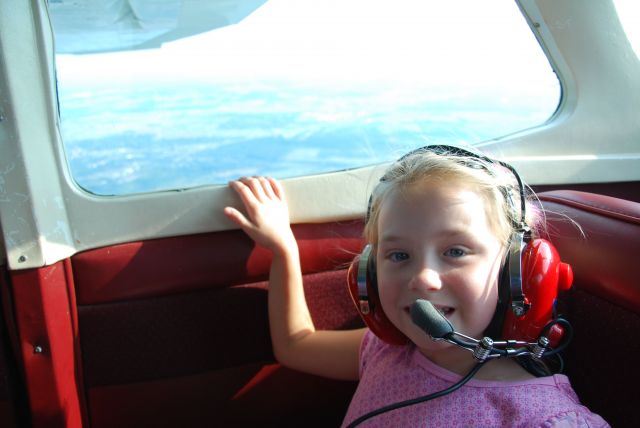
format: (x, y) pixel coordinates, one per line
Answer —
(435, 243)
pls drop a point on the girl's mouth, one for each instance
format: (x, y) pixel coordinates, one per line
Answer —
(446, 311)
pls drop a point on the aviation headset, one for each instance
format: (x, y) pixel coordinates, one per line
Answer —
(529, 280)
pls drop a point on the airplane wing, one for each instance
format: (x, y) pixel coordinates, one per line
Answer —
(91, 26)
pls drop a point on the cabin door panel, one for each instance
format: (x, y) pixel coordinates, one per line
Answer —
(174, 332)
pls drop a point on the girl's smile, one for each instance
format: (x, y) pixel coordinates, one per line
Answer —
(444, 310)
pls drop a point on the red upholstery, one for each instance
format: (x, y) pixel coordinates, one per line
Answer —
(604, 305)
(46, 322)
(627, 190)
(605, 258)
(182, 264)
(206, 356)
(173, 332)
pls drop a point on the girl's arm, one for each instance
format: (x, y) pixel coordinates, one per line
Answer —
(296, 342)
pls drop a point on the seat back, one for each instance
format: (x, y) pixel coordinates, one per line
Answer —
(604, 304)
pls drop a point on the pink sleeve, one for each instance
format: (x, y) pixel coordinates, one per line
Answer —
(365, 349)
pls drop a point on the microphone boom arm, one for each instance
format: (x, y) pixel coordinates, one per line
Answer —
(487, 348)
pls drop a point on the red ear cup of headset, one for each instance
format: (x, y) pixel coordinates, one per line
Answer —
(543, 276)
(363, 288)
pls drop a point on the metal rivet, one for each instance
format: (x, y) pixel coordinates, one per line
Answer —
(38, 349)
(22, 259)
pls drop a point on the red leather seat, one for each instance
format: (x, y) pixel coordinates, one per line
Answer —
(604, 304)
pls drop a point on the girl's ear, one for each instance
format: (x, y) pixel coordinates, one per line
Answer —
(363, 288)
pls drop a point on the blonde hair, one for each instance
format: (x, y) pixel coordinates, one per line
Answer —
(495, 183)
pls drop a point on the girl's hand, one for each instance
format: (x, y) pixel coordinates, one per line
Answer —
(267, 215)
(296, 343)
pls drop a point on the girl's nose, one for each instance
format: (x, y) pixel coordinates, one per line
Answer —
(426, 279)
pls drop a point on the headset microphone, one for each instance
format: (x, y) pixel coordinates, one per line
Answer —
(429, 319)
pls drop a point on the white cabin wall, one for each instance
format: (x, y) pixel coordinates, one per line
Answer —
(33, 213)
(595, 134)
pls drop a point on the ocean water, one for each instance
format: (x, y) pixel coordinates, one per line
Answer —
(134, 138)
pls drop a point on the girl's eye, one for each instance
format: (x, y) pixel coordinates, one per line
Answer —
(398, 256)
(455, 252)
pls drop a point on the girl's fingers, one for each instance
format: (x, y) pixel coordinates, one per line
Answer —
(237, 217)
(267, 186)
(262, 188)
(244, 192)
(278, 190)
(265, 216)
(258, 195)
(256, 187)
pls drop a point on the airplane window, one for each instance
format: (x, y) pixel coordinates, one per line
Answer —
(166, 94)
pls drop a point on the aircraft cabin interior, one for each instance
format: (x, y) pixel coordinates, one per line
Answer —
(129, 299)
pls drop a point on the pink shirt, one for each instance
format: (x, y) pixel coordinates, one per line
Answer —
(389, 374)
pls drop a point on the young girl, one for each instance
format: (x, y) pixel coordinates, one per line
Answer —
(439, 223)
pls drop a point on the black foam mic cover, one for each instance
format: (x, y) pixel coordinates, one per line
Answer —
(428, 318)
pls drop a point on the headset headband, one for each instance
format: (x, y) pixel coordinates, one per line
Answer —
(444, 150)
